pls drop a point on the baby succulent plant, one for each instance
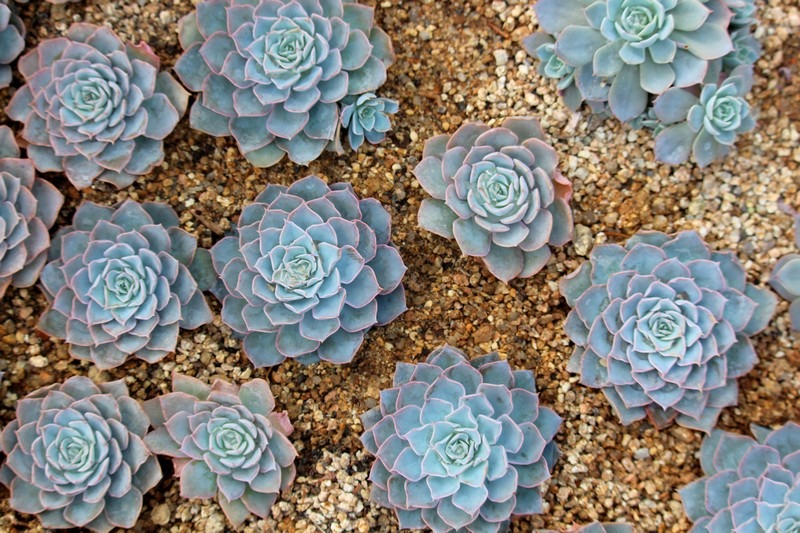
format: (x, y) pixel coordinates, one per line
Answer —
(308, 271)
(625, 50)
(226, 442)
(273, 73)
(367, 117)
(460, 445)
(542, 46)
(704, 127)
(749, 484)
(662, 327)
(12, 41)
(785, 279)
(121, 281)
(28, 208)
(499, 192)
(75, 456)
(96, 108)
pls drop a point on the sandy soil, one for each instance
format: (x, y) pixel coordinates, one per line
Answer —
(458, 60)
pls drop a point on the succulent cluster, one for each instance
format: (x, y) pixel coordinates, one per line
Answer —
(28, 208)
(226, 442)
(704, 127)
(96, 108)
(75, 456)
(785, 278)
(499, 192)
(662, 326)
(309, 270)
(460, 445)
(619, 55)
(274, 73)
(122, 281)
(12, 41)
(749, 484)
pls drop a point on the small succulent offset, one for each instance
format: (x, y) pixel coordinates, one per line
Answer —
(662, 326)
(749, 484)
(785, 279)
(498, 191)
(12, 41)
(704, 127)
(75, 456)
(273, 73)
(460, 445)
(96, 108)
(746, 50)
(744, 12)
(28, 208)
(122, 281)
(367, 117)
(542, 46)
(225, 442)
(309, 270)
(625, 50)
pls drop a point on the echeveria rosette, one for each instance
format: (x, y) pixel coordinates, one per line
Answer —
(366, 117)
(28, 208)
(625, 50)
(273, 73)
(662, 327)
(12, 41)
(499, 192)
(542, 46)
(96, 108)
(704, 127)
(746, 50)
(226, 442)
(75, 456)
(785, 279)
(122, 281)
(744, 13)
(749, 484)
(460, 445)
(308, 271)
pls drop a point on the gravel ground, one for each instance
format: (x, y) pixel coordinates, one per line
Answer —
(458, 60)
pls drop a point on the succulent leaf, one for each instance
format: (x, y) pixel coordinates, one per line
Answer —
(785, 279)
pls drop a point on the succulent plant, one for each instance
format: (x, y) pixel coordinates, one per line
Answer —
(749, 484)
(746, 50)
(96, 108)
(623, 50)
(498, 191)
(662, 326)
(367, 117)
(785, 278)
(28, 208)
(704, 127)
(542, 46)
(12, 40)
(309, 270)
(744, 12)
(460, 445)
(121, 282)
(226, 442)
(75, 456)
(273, 72)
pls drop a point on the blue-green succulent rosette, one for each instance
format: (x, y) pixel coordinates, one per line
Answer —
(12, 41)
(749, 484)
(122, 281)
(366, 117)
(625, 50)
(460, 445)
(226, 442)
(75, 456)
(542, 46)
(309, 270)
(662, 326)
(273, 73)
(707, 126)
